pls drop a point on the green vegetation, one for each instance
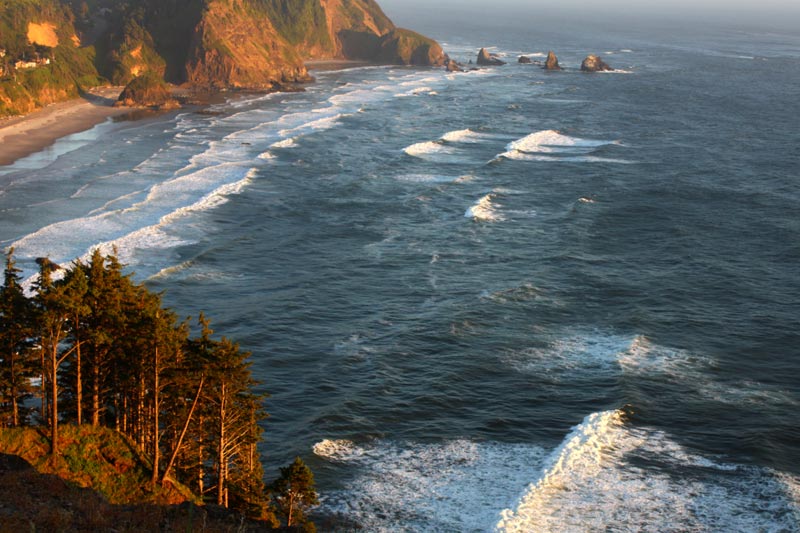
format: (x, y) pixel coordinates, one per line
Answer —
(149, 89)
(148, 409)
(298, 21)
(295, 495)
(70, 69)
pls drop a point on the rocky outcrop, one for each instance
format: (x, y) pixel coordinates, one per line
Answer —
(524, 60)
(206, 44)
(451, 65)
(487, 59)
(552, 62)
(148, 90)
(349, 29)
(405, 47)
(593, 63)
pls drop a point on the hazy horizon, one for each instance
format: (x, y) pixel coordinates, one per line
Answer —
(778, 14)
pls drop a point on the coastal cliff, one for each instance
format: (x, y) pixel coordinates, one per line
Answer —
(53, 49)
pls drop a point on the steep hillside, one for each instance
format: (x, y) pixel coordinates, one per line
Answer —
(349, 29)
(41, 60)
(54, 48)
(236, 46)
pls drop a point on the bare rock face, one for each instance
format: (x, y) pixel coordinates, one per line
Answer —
(593, 63)
(405, 47)
(453, 66)
(524, 60)
(552, 62)
(487, 59)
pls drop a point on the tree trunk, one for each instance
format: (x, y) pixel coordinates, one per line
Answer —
(54, 401)
(156, 432)
(14, 403)
(95, 393)
(183, 434)
(79, 388)
(221, 449)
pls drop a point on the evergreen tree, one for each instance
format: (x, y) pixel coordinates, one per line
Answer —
(294, 494)
(17, 365)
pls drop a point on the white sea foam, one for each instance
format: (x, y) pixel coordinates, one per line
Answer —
(551, 145)
(143, 225)
(419, 91)
(549, 141)
(593, 482)
(425, 148)
(484, 210)
(462, 136)
(452, 486)
(285, 143)
(430, 178)
(604, 476)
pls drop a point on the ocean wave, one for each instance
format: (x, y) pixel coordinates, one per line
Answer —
(462, 136)
(644, 481)
(549, 141)
(142, 225)
(551, 145)
(285, 143)
(419, 91)
(428, 150)
(484, 210)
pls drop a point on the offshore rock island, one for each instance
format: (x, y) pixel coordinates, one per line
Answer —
(53, 50)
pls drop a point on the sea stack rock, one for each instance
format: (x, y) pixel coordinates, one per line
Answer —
(592, 63)
(148, 90)
(487, 59)
(552, 62)
(451, 65)
(525, 60)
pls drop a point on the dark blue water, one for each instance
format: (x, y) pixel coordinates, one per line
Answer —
(583, 310)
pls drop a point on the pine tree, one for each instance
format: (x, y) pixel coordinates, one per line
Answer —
(294, 494)
(17, 365)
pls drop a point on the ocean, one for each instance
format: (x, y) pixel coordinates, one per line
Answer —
(505, 299)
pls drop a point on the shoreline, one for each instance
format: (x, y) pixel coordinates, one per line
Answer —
(28, 134)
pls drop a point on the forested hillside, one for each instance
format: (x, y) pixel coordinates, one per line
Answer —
(91, 348)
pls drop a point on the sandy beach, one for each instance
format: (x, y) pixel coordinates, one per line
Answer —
(28, 134)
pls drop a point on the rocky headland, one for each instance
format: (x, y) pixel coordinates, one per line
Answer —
(53, 49)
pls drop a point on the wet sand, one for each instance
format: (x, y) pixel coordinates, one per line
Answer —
(31, 133)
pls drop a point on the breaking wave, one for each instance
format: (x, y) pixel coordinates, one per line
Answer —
(484, 210)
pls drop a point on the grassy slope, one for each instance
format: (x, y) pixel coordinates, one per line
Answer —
(99, 484)
(98, 458)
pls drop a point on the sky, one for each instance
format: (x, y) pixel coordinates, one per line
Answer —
(781, 13)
